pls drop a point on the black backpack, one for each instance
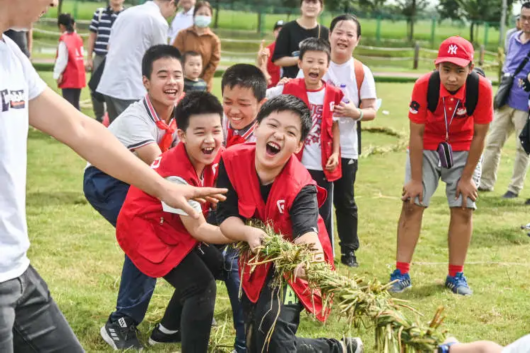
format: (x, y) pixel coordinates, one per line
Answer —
(472, 84)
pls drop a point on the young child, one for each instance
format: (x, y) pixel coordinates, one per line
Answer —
(147, 128)
(446, 142)
(192, 62)
(272, 72)
(266, 181)
(69, 70)
(244, 88)
(321, 152)
(165, 242)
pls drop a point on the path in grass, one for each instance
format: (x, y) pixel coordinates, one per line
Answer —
(75, 249)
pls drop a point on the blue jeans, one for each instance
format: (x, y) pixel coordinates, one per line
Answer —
(232, 281)
(107, 194)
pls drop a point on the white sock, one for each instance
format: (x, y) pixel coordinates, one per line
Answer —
(166, 331)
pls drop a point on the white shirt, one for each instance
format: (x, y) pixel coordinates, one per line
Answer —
(135, 31)
(62, 60)
(312, 156)
(181, 21)
(344, 74)
(19, 83)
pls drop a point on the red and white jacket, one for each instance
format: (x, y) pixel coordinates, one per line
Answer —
(241, 170)
(157, 241)
(333, 96)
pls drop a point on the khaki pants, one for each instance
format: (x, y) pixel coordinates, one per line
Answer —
(506, 121)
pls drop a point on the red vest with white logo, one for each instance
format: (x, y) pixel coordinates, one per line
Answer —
(157, 241)
(239, 162)
(332, 97)
(74, 75)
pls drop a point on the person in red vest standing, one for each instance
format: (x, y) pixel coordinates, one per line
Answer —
(69, 70)
(271, 71)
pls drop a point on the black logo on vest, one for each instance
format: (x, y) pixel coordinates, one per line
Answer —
(14, 99)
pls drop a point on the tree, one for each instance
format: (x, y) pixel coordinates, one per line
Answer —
(60, 8)
(410, 9)
(474, 11)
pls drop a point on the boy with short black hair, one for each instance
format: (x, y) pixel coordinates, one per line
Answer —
(266, 181)
(192, 63)
(147, 128)
(446, 142)
(244, 88)
(165, 242)
(321, 152)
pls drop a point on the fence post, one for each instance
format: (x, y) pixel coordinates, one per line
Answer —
(433, 31)
(76, 5)
(481, 55)
(378, 30)
(416, 56)
(486, 31)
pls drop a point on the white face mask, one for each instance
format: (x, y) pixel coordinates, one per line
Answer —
(203, 21)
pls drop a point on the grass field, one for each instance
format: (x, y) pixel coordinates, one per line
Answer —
(75, 250)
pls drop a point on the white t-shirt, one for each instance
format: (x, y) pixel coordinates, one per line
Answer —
(344, 74)
(181, 21)
(19, 83)
(312, 156)
(135, 31)
(136, 127)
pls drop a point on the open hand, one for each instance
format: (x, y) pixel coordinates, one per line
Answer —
(177, 196)
(347, 110)
(411, 190)
(468, 190)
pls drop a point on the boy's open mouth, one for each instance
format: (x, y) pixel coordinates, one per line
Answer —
(313, 75)
(273, 148)
(171, 92)
(208, 150)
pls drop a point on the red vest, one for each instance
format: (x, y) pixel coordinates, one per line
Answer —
(74, 75)
(241, 170)
(157, 241)
(333, 96)
(236, 139)
(272, 69)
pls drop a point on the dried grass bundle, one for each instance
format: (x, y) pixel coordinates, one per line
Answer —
(360, 302)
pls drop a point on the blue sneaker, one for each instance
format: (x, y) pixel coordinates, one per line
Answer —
(458, 284)
(403, 282)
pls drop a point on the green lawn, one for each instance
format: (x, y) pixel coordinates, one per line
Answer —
(75, 250)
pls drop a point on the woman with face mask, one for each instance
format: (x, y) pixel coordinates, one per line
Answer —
(199, 38)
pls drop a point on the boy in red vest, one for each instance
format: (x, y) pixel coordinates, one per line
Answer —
(165, 242)
(244, 88)
(321, 152)
(446, 142)
(69, 70)
(266, 181)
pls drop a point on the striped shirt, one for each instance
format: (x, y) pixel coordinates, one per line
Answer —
(101, 25)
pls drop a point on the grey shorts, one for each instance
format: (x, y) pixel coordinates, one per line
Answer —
(433, 172)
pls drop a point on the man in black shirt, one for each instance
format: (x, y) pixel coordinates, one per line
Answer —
(288, 42)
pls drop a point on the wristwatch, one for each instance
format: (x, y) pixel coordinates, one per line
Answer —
(444, 348)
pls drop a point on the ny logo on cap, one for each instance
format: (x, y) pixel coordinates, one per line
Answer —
(452, 49)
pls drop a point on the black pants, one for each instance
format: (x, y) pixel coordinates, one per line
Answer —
(72, 95)
(326, 210)
(30, 320)
(263, 315)
(191, 308)
(345, 206)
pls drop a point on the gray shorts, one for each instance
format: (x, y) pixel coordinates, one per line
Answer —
(433, 172)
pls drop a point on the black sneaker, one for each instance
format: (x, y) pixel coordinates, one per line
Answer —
(353, 345)
(510, 195)
(349, 259)
(158, 336)
(121, 334)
